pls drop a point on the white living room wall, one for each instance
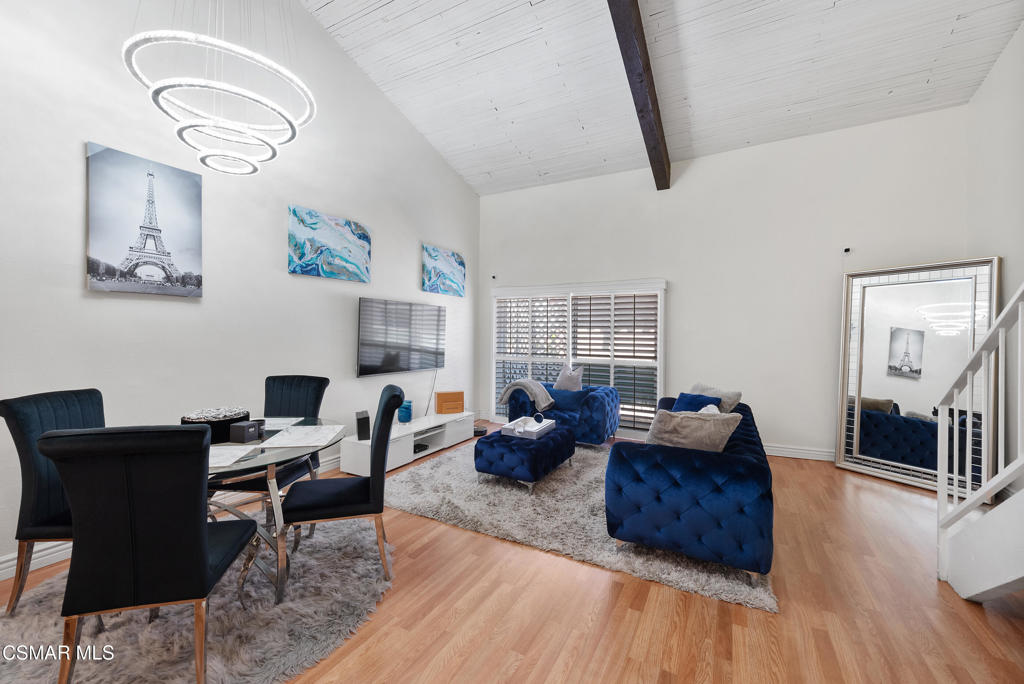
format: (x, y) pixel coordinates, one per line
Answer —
(751, 243)
(995, 134)
(155, 358)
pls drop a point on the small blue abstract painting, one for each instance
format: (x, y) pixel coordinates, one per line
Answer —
(444, 271)
(327, 246)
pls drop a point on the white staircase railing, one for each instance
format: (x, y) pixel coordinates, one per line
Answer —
(973, 424)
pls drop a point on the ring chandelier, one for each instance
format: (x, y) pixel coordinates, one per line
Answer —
(262, 137)
(949, 318)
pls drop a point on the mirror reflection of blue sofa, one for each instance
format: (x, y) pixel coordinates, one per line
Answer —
(709, 506)
(905, 440)
(592, 413)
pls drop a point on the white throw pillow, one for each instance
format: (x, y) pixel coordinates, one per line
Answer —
(710, 408)
(569, 379)
(729, 397)
(693, 430)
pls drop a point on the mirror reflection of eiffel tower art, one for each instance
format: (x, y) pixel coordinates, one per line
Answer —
(162, 254)
(906, 349)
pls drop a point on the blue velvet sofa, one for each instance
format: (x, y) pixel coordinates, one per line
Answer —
(595, 421)
(911, 441)
(709, 506)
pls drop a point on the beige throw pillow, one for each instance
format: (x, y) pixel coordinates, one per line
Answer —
(729, 397)
(692, 430)
(870, 404)
(569, 379)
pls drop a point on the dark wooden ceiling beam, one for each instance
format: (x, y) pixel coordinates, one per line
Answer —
(629, 29)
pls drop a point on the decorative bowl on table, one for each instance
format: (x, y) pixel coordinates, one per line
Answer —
(219, 420)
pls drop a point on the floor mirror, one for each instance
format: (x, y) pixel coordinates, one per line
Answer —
(907, 333)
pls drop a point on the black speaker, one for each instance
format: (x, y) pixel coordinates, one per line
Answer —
(362, 425)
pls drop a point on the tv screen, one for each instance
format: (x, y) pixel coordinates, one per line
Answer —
(395, 337)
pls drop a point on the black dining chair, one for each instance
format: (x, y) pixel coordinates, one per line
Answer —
(341, 498)
(44, 514)
(284, 396)
(142, 539)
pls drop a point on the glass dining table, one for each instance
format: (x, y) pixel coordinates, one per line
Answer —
(280, 448)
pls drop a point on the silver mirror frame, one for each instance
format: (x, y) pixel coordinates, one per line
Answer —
(847, 437)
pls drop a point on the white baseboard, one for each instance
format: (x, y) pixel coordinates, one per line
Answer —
(44, 553)
(808, 453)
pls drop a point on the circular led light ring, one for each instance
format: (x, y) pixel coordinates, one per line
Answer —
(947, 333)
(158, 94)
(951, 314)
(207, 159)
(132, 46)
(199, 125)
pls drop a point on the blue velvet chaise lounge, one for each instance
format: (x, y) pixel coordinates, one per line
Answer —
(708, 506)
(596, 419)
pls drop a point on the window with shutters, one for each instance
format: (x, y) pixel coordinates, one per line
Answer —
(530, 340)
(613, 336)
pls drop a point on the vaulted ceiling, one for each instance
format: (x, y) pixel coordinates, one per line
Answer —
(516, 93)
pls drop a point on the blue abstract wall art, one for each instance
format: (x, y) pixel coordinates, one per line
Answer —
(327, 246)
(444, 271)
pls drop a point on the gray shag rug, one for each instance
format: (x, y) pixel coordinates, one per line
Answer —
(565, 514)
(336, 581)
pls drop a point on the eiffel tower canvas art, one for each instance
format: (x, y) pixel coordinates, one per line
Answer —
(906, 349)
(162, 254)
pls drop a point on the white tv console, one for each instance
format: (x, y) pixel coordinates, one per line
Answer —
(437, 431)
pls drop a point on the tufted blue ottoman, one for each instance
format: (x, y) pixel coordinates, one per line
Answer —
(522, 459)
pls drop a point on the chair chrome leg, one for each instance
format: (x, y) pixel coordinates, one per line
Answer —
(378, 522)
(72, 633)
(281, 530)
(20, 574)
(312, 476)
(282, 563)
(202, 606)
(250, 558)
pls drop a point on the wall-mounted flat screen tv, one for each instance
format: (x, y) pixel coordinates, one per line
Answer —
(395, 337)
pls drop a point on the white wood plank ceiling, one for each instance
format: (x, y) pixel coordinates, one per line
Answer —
(516, 93)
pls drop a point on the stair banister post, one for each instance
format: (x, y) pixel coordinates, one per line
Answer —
(956, 444)
(1020, 378)
(942, 487)
(1002, 360)
(987, 383)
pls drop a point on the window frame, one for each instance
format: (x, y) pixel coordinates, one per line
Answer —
(655, 287)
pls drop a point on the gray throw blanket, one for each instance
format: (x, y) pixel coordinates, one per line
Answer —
(536, 391)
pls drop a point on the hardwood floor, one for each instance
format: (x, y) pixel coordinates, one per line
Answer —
(854, 573)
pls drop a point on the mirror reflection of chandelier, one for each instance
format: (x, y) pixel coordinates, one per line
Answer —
(216, 104)
(949, 318)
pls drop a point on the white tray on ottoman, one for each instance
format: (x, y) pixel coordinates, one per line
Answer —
(531, 428)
